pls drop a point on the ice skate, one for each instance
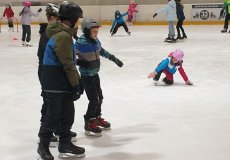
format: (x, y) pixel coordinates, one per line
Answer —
(44, 152)
(178, 37)
(184, 36)
(53, 142)
(104, 125)
(91, 128)
(23, 43)
(28, 44)
(170, 40)
(129, 33)
(73, 136)
(224, 30)
(70, 151)
(156, 82)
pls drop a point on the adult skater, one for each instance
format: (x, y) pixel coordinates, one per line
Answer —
(26, 14)
(60, 83)
(118, 22)
(170, 11)
(181, 18)
(169, 67)
(227, 16)
(9, 14)
(89, 50)
(131, 10)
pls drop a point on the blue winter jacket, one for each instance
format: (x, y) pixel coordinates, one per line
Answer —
(168, 65)
(119, 20)
(89, 52)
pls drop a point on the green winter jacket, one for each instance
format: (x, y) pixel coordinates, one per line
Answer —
(59, 69)
(227, 6)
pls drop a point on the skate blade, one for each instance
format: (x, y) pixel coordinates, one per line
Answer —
(105, 129)
(88, 133)
(70, 156)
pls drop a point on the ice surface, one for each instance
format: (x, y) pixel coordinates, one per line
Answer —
(148, 122)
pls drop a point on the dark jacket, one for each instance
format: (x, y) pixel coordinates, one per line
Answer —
(180, 11)
(42, 42)
(59, 70)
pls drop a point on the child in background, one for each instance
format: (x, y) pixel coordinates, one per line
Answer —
(181, 18)
(170, 10)
(169, 67)
(9, 14)
(26, 14)
(89, 51)
(118, 22)
(131, 11)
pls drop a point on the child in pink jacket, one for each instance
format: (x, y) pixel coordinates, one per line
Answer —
(131, 11)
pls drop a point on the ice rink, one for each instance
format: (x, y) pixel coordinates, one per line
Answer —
(149, 122)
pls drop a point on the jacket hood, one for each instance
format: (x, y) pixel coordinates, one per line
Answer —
(57, 27)
(172, 4)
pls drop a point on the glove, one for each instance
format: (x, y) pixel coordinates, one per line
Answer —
(188, 82)
(115, 60)
(76, 91)
(40, 9)
(154, 15)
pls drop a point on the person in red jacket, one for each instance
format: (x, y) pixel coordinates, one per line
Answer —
(9, 14)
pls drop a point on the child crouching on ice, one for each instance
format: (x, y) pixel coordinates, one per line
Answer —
(169, 67)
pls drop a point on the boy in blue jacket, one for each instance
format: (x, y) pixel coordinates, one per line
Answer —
(181, 18)
(118, 22)
(89, 50)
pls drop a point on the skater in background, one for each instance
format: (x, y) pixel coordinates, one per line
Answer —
(181, 18)
(131, 11)
(170, 11)
(227, 16)
(60, 84)
(169, 67)
(89, 50)
(26, 14)
(9, 14)
(118, 22)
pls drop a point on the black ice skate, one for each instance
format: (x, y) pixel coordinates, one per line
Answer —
(91, 128)
(184, 36)
(70, 151)
(178, 37)
(170, 40)
(104, 125)
(53, 142)
(44, 152)
(224, 30)
(129, 33)
(73, 136)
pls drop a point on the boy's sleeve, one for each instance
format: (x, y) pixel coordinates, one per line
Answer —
(162, 66)
(104, 53)
(64, 52)
(34, 14)
(163, 10)
(126, 13)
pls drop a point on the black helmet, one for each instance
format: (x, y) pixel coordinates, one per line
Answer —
(70, 11)
(52, 9)
(117, 14)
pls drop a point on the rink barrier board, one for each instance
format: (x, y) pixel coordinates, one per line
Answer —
(196, 14)
(154, 23)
